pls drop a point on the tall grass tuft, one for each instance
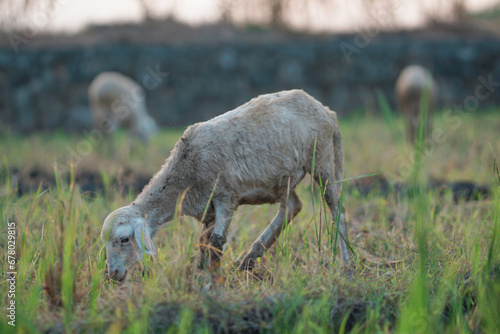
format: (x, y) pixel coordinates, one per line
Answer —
(389, 117)
(416, 315)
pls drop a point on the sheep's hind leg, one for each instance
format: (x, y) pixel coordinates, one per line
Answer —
(333, 201)
(287, 211)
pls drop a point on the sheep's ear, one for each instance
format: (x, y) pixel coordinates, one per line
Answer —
(141, 234)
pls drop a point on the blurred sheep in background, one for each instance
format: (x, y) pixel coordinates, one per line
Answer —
(118, 101)
(412, 83)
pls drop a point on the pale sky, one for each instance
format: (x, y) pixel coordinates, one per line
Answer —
(74, 15)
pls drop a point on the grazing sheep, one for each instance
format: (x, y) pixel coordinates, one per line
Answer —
(254, 154)
(118, 101)
(410, 86)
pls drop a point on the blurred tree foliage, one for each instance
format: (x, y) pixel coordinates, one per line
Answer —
(12, 10)
(278, 14)
(22, 14)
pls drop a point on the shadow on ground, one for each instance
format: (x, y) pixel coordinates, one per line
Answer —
(92, 185)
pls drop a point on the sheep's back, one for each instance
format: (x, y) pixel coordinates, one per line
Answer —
(264, 141)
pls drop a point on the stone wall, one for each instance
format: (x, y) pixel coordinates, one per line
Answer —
(46, 88)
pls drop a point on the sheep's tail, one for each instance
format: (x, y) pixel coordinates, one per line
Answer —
(338, 152)
(338, 155)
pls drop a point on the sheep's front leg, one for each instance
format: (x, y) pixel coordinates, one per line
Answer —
(223, 215)
(287, 211)
(206, 234)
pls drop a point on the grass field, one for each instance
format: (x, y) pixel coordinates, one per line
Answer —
(424, 262)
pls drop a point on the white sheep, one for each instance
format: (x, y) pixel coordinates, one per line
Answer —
(254, 154)
(413, 81)
(118, 101)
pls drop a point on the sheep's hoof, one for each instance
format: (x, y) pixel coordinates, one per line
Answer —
(350, 263)
(214, 263)
(247, 264)
(209, 264)
(203, 265)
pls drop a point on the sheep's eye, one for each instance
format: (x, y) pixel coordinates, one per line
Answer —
(124, 240)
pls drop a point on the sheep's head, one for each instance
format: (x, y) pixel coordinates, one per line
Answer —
(146, 128)
(124, 234)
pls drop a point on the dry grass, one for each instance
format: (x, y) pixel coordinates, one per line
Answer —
(424, 262)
